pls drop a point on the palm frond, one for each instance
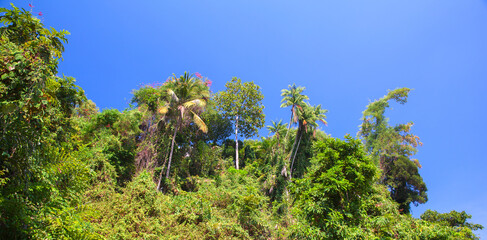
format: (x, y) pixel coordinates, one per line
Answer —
(173, 95)
(195, 102)
(199, 122)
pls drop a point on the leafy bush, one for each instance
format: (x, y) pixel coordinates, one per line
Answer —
(330, 195)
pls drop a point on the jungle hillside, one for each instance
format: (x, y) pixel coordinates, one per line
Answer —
(186, 159)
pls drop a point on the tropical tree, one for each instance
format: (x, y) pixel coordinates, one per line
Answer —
(242, 104)
(309, 117)
(392, 149)
(294, 98)
(332, 192)
(36, 107)
(180, 101)
(452, 219)
(277, 129)
(186, 94)
(219, 127)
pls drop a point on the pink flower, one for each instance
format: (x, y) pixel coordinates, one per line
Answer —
(40, 13)
(30, 5)
(208, 82)
(198, 75)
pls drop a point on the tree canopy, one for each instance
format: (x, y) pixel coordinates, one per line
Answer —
(242, 104)
(393, 148)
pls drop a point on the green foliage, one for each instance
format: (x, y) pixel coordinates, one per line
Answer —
(293, 97)
(39, 179)
(242, 100)
(68, 171)
(405, 183)
(175, 102)
(457, 220)
(392, 149)
(132, 214)
(116, 134)
(203, 161)
(228, 208)
(22, 28)
(242, 104)
(60, 214)
(219, 127)
(52, 204)
(301, 159)
(277, 129)
(330, 195)
(308, 118)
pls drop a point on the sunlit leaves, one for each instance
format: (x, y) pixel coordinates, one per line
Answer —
(330, 194)
(245, 101)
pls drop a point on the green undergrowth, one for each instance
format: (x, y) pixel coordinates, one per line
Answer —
(231, 206)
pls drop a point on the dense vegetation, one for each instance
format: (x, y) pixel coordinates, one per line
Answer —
(166, 168)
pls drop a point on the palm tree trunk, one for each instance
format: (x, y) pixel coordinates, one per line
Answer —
(298, 133)
(172, 149)
(288, 127)
(160, 175)
(295, 153)
(236, 142)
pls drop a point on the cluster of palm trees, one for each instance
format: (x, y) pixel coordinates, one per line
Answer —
(180, 100)
(303, 114)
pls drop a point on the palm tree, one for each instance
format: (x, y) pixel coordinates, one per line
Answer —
(178, 102)
(308, 121)
(294, 98)
(186, 97)
(277, 129)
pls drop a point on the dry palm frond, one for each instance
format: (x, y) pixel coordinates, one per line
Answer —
(173, 95)
(199, 122)
(195, 102)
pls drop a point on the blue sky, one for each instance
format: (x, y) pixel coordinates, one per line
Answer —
(346, 53)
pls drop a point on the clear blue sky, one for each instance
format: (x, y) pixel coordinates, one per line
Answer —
(346, 53)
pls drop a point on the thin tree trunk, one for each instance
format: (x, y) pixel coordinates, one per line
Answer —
(295, 153)
(236, 142)
(172, 149)
(160, 175)
(292, 150)
(288, 127)
(298, 133)
(278, 146)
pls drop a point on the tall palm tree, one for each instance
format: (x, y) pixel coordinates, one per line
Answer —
(178, 102)
(294, 98)
(308, 121)
(186, 99)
